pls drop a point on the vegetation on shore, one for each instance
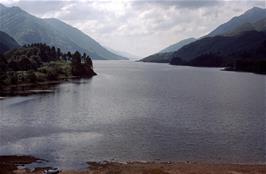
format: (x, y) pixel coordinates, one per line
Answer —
(41, 63)
(253, 60)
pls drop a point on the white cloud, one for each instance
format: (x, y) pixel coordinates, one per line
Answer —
(8, 2)
(140, 27)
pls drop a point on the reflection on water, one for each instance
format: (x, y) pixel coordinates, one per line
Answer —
(141, 111)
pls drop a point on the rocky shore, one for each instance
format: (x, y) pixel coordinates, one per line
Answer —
(14, 164)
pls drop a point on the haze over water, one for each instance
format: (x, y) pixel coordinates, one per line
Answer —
(141, 111)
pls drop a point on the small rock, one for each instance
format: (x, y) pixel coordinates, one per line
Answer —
(52, 171)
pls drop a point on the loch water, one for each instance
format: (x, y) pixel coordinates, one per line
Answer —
(141, 111)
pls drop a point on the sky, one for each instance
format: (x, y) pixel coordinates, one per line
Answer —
(140, 27)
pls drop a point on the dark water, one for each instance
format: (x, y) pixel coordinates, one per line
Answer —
(141, 111)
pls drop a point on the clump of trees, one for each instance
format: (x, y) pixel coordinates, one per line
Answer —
(40, 62)
(81, 65)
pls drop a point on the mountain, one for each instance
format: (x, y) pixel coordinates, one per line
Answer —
(26, 29)
(159, 57)
(247, 53)
(214, 51)
(250, 17)
(257, 26)
(82, 40)
(7, 42)
(178, 45)
(217, 40)
(165, 55)
(124, 54)
(224, 46)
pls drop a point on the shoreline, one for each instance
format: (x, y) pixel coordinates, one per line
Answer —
(28, 88)
(24, 89)
(16, 164)
(222, 68)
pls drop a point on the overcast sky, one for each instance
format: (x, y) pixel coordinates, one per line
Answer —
(139, 27)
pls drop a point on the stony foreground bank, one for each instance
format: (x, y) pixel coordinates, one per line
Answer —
(12, 164)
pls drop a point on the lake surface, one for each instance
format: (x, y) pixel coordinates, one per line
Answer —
(141, 111)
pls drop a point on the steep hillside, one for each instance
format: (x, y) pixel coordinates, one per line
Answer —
(7, 42)
(257, 26)
(222, 45)
(26, 29)
(251, 16)
(82, 40)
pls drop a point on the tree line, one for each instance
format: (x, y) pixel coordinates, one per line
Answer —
(41, 62)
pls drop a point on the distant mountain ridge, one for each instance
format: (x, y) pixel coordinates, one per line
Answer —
(124, 54)
(7, 42)
(164, 56)
(26, 29)
(159, 57)
(247, 42)
(178, 45)
(223, 39)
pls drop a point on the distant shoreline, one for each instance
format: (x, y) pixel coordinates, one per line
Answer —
(223, 68)
(14, 164)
